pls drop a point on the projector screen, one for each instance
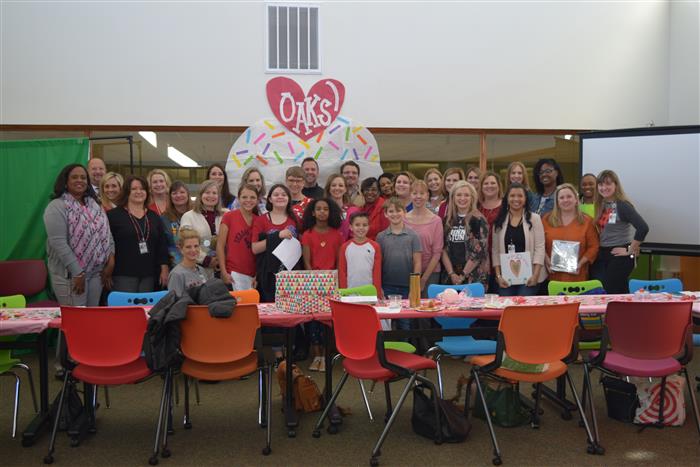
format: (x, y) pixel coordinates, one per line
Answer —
(659, 169)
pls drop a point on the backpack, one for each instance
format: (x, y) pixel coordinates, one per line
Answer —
(307, 396)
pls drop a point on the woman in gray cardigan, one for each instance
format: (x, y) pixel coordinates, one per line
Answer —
(79, 243)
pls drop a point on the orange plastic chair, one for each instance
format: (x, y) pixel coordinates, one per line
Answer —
(533, 335)
(221, 349)
(246, 297)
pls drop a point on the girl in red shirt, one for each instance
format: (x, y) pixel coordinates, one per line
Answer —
(320, 245)
(234, 247)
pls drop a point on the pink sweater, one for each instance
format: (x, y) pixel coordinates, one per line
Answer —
(431, 240)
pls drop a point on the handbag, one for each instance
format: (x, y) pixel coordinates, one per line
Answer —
(504, 405)
(454, 426)
(649, 395)
(621, 398)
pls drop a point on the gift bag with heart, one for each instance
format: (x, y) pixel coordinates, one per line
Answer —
(516, 268)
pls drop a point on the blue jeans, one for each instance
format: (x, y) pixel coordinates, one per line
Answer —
(518, 290)
(401, 324)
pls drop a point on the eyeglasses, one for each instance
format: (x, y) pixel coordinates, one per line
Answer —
(546, 171)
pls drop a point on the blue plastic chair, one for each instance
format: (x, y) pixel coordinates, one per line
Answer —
(658, 286)
(461, 346)
(475, 290)
(135, 298)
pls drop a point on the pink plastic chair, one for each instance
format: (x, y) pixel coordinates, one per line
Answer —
(646, 339)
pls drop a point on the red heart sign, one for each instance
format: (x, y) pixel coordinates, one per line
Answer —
(305, 115)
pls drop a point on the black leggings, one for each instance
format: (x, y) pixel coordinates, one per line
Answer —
(613, 271)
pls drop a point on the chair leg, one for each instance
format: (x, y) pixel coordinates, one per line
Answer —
(438, 363)
(390, 422)
(261, 397)
(176, 387)
(317, 428)
(593, 446)
(588, 391)
(387, 396)
(107, 403)
(364, 399)
(468, 395)
(371, 388)
(153, 460)
(535, 414)
(164, 451)
(31, 384)
(496, 450)
(15, 410)
(693, 400)
(187, 423)
(196, 390)
(268, 411)
(48, 459)
(662, 400)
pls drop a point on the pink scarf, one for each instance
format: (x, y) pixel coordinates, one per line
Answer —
(88, 233)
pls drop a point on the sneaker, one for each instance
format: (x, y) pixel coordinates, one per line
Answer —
(322, 364)
(315, 364)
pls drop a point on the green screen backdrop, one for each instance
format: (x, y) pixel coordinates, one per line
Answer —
(28, 171)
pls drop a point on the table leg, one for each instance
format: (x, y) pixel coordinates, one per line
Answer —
(558, 397)
(42, 419)
(334, 416)
(290, 413)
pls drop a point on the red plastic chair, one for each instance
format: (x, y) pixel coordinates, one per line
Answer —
(533, 335)
(646, 339)
(105, 345)
(24, 277)
(356, 327)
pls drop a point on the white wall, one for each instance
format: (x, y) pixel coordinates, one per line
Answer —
(467, 65)
(684, 53)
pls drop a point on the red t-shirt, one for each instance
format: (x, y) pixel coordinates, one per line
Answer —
(263, 225)
(377, 220)
(239, 255)
(300, 207)
(324, 247)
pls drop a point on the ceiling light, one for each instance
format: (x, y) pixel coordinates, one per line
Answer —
(150, 137)
(180, 158)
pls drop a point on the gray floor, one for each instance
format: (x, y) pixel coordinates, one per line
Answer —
(225, 432)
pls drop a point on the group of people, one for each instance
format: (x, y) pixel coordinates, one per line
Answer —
(137, 234)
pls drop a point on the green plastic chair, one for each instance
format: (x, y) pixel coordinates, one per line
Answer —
(574, 288)
(7, 363)
(588, 321)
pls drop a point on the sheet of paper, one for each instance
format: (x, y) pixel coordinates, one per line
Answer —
(386, 309)
(288, 252)
(358, 299)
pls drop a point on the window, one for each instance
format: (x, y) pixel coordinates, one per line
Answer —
(293, 38)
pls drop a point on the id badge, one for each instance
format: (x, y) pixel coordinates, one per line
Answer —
(143, 248)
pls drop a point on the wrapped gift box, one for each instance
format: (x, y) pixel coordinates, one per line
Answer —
(304, 292)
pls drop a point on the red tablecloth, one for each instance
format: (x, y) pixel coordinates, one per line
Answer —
(33, 320)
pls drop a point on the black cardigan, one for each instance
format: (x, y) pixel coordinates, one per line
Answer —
(128, 261)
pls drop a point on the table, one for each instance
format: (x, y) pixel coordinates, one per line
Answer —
(14, 321)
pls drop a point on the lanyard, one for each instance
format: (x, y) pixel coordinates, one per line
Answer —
(139, 233)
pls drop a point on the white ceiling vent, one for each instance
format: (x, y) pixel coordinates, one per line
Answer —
(293, 38)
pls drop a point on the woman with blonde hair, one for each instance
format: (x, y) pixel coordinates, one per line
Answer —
(205, 217)
(254, 177)
(159, 181)
(466, 253)
(433, 178)
(110, 190)
(402, 188)
(567, 223)
(337, 190)
(428, 226)
(517, 173)
(622, 231)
